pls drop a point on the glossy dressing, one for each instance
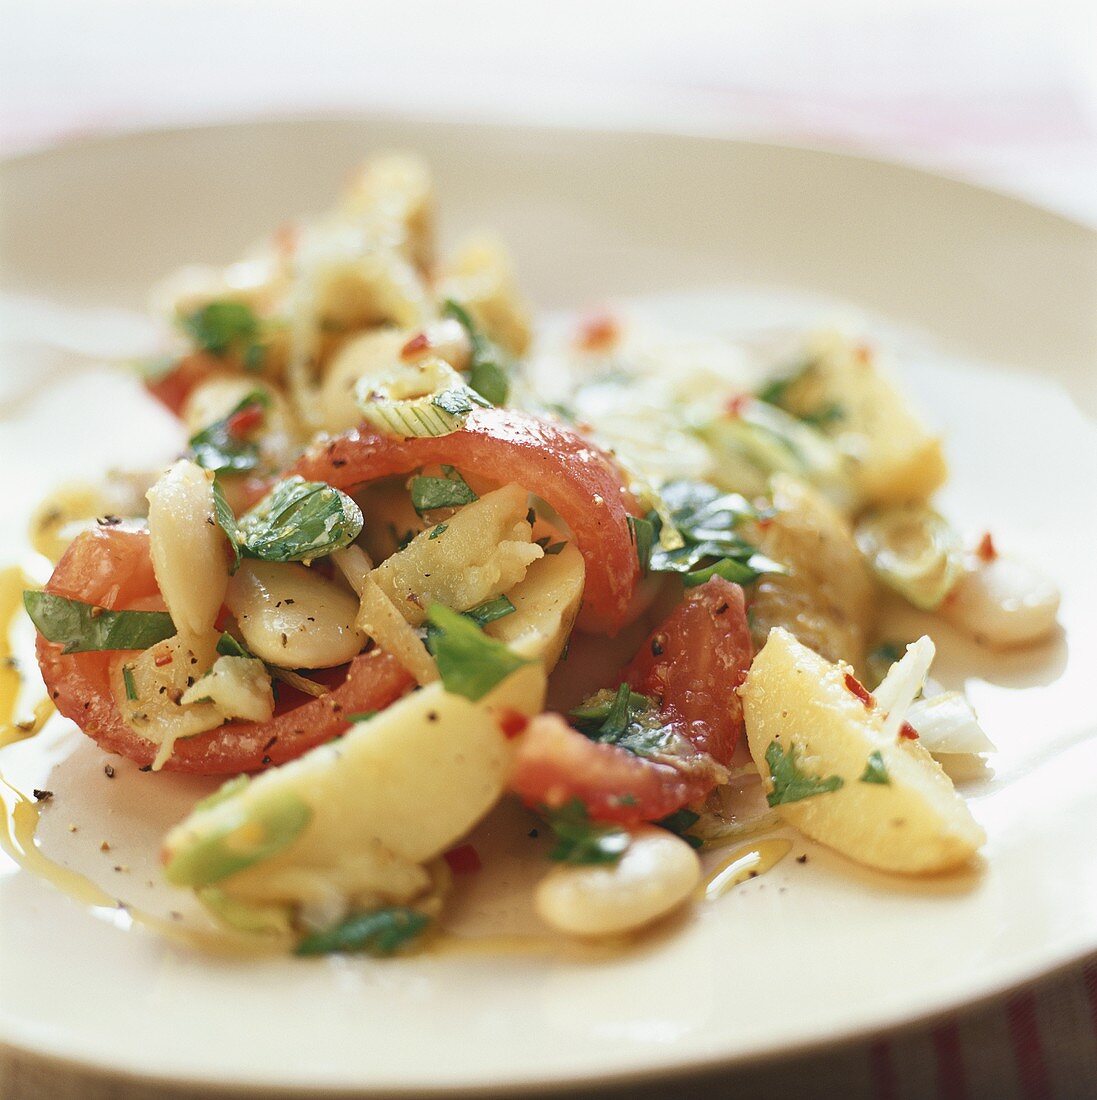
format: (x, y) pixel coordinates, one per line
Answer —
(743, 864)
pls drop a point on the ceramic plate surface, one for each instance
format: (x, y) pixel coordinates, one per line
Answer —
(991, 304)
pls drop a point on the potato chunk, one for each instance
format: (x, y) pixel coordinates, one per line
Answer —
(826, 599)
(880, 801)
(480, 551)
(545, 602)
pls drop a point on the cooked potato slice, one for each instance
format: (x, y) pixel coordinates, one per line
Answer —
(479, 276)
(483, 549)
(898, 459)
(545, 602)
(368, 353)
(839, 779)
(826, 599)
(351, 823)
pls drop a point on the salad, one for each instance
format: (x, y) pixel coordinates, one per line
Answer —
(411, 566)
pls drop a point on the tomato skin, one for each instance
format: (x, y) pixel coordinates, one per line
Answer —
(555, 764)
(112, 568)
(173, 388)
(577, 479)
(693, 664)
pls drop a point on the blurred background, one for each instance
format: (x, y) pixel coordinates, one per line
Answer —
(998, 92)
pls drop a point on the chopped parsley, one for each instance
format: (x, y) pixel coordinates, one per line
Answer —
(226, 520)
(706, 520)
(440, 529)
(84, 628)
(127, 679)
(378, 932)
(223, 327)
(469, 662)
(299, 520)
(489, 364)
(680, 822)
(627, 719)
(459, 402)
(875, 770)
(580, 840)
(642, 534)
(790, 783)
(221, 447)
(449, 491)
(361, 715)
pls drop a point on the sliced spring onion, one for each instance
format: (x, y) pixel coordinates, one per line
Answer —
(84, 628)
(416, 400)
(913, 550)
(379, 932)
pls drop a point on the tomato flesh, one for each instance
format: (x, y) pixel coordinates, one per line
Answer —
(173, 388)
(693, 664)
(690, 667)
(112, 568)
(574, 477)
(556, 765)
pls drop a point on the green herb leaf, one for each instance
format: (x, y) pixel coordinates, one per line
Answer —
(642, 532)
(706, 519)
(488, 366)
(790, 783)
(84, 628)
(440, 529)
(630, 721)
(680, 822)
(378, 932)
(361, 715)
(226, 520)
(579, 840)
(219, 327)
(469, 662)
(217, 448)
(127, 679)
(299, 520)
(554, 548)
(490, 610)
(875, 770)
(228, 646)
(459, 402)
(452, 491)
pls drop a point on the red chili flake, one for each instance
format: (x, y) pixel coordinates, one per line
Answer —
(857, 688)
(736, 404)
(598, 332)
(863, 354)
(463, 860)
(223, 617)
(241, 424)
(512, 723)
(986, 550)
(419, 343)
(162, 659)
(907, 732)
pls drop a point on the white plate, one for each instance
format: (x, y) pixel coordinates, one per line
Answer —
(806, 955)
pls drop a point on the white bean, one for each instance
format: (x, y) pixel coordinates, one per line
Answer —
(294, 617)
(657, 873)
(187, 547)
(1003, 603)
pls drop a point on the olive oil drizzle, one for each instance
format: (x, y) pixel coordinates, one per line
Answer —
(743, 864)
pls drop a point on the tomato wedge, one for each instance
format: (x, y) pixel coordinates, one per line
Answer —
(692, 665)
(111, 567)
(555, 764)
(173, 388)
(574, 477)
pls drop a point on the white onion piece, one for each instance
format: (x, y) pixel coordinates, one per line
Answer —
(947, 725)
(900, 687)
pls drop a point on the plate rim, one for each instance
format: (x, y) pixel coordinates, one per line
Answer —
(1021, 977)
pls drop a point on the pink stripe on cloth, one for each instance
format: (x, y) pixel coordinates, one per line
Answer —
(881, 1067)
(949, 1051)
(1028, 1051)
